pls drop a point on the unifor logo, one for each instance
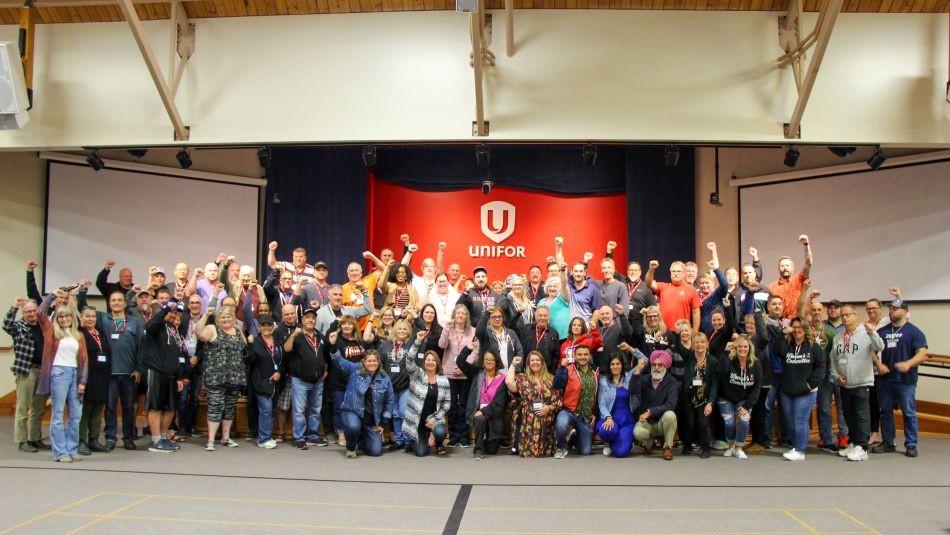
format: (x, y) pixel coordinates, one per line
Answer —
(498, 220)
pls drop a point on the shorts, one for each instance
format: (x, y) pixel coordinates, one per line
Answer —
(162, 392)
(285, 397)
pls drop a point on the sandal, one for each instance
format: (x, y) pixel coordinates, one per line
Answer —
(178, 438)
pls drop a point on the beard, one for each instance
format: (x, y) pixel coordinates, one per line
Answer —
(658, 375)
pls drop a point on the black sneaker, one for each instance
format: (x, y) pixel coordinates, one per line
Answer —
(160, 446)
(40, 445)
(911, 451)
(464, 443)
(128, 444)
(28, 447)
(704, 453)
(883, 448)
(830, 448)
(453, 443)
(319, 441)
(301, 445)
(83, 449)
(395, 447)
(110, 444)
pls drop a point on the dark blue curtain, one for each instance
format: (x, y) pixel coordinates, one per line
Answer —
(323, 191)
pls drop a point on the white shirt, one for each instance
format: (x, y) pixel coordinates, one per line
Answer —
(67, 352)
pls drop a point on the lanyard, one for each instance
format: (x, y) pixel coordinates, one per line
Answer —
(539, 335)
(321, 293)
(95, 336)
(630, 292)
(312, 340)
(502, 340)
(120, 324)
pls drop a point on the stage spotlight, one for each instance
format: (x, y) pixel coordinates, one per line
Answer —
(671, 155)
(184, 159)
(877, 159)
(94, 161)
(791, 157)
(263, 157)
(483, 159)
(714, 199)
(137, 153)
(369, 156)
(589, 154)
(275, 199)
(486, 186)
(841, 152)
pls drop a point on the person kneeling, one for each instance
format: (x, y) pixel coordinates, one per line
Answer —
(578, 380)
(616, 406)
(367, 403)
(658, 394)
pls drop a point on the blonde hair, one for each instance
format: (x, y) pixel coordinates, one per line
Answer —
(73, 329)
(544, 375)
(661, 325)
(732, 353)
(225, 311)
(402, 321)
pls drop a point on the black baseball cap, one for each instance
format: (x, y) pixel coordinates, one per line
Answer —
(309, 311)
(265, 319)
(479, 268)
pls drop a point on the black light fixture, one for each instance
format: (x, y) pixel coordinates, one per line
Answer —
(714, 196)
(94, 161)
(369, 156)
(671, 155)
(137, 153)
(791, 156)
(877, 159)
(841, 152)
(263, 157)
(589, 154)
(483, 157)
(184, 159)
(486, 186)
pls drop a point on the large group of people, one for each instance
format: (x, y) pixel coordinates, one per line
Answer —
(540, 364)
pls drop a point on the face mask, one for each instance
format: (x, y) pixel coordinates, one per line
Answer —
(658, 375)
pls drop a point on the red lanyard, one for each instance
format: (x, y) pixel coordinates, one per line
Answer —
(119, 325)
(312, 340)
(501, 340)
(633, 291)
(538, 335)
(95, 336)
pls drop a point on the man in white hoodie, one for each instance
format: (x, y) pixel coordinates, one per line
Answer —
(852, 361)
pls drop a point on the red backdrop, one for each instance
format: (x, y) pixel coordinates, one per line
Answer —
(585, 223)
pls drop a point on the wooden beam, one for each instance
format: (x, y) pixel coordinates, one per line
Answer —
(168, 100)
(475, 20)
(27, 47)
(510, 27)
(827, 20)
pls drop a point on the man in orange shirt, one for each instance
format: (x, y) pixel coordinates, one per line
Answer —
(678, 299)
(789, 287)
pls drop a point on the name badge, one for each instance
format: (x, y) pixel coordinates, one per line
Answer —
(892, 344)
(181, 360)
(101, 358)
(537, 405)
(483, 405)
(115, 336)
(697, 382)
(394, 369)
(420, 355)
(842, 362)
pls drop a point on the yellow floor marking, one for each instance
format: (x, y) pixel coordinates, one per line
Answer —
(285, 502)
(113, 516)
(51, 513)
(799, 521)
(641, 510)
(858, 522)
(109, 515)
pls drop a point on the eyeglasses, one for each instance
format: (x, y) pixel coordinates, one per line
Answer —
(495, 317)
(652, 317)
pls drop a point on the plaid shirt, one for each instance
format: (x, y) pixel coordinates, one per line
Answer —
(23, 346)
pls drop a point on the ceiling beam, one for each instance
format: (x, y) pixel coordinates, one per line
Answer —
(164, 91)
(475, 19)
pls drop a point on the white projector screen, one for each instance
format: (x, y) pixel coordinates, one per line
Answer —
(141, 220)
(868, 230)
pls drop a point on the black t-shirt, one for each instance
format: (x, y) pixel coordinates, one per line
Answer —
(428, 407)
(37, 335)
(368, 418)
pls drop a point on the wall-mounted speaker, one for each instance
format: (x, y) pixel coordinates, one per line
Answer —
(13, 97)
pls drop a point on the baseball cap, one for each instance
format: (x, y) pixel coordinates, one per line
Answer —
(159, 270)
(898, 303)
(479, 268)
(834, 303)
(309, 311)
(321, 264)
(265, 319)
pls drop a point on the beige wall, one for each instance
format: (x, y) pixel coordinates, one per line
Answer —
(722, 226)
(577, 75)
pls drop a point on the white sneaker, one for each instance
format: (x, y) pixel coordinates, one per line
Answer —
(741, 454)
(857, 454)
(729, 452)
(269, 445)
(607, 451)
(846, 451)
(794, 455)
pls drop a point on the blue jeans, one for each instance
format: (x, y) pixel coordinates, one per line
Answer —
(265, 417)
(736, 427)
(401, 399)
(797, 411)
(773, 396)
(121, 389)
(361, 435)
(336, 399)
(421, 446)
(567, 419)
(188, 403)
(307, 398)
(890, 393)
(63, 391)
(826, 391)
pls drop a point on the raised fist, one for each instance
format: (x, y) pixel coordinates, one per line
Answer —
(230, 259)
(219, 286)
(152, 270)
(711, 264)
(413, 247)
(303, 282)
(611, 245)
(807, 283)
(654, 264)
(85, 283)
(136, 288)
(19, 302)
(272, 246)
(367, 255)
(404, 238)
(221, 257)
(517, 360)
(815, 293)
(895, 291)
(753, 252)
(110, 264)
(558, 241)
(588, 256)
(31, 265)
(332, 336)
(442, 245)
(199, 272)
(803, 239)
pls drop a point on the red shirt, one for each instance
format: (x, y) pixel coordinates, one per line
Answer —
(677, 302)
(789, 291)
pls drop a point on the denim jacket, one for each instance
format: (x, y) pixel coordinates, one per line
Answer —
(356, 386)
(607, 393)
